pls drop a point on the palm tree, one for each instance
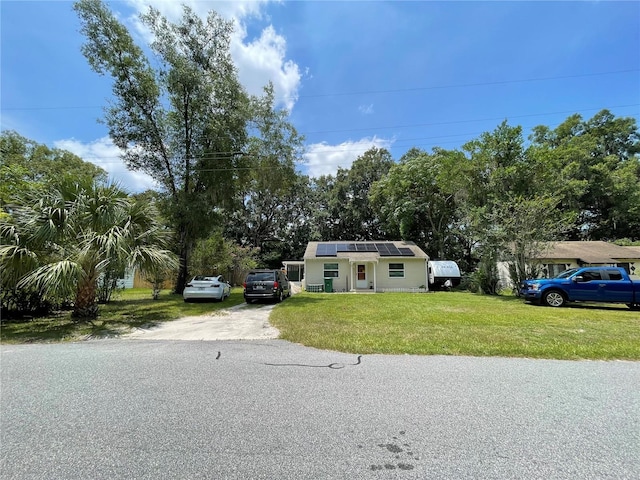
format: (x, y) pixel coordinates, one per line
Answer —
(61, 241)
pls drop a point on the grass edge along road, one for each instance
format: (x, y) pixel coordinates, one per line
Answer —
(441, 323)
(458, 323)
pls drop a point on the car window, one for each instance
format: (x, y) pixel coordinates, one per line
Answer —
(589, 275)
(614, 275)
(567, 273)
(260, 277)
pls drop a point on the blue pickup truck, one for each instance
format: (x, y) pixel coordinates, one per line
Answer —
(586, 284)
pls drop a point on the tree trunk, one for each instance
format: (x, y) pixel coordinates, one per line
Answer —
(184, 246)
(86, 304)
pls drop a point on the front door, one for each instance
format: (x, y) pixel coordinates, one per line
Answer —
(361, 276)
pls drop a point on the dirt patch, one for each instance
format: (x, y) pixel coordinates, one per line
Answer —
(242, 322)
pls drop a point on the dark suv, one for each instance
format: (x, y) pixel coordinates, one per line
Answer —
(266, 285)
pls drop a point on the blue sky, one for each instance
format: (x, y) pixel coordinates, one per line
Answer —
(354, 74)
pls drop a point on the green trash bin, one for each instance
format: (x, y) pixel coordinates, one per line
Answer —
(328, 285)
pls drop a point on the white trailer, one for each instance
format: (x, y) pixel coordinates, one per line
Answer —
(443, 274)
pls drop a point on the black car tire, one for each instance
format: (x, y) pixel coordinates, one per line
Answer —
(554, 298)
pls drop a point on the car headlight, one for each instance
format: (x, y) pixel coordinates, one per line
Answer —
(535, 286)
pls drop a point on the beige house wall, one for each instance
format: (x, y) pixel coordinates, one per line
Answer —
(415, 274)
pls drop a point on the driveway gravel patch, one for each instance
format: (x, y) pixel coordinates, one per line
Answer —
(241, 322)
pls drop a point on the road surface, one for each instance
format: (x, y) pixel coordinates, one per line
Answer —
(269, 409)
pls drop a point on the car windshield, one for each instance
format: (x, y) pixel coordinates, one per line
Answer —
(260, 277)
(567, 273)
(200, 278)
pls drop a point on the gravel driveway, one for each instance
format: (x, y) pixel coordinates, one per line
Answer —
(241, 322)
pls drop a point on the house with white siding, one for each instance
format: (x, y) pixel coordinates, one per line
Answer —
(381, 266)
(560, 256)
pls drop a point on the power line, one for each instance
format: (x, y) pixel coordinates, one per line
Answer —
(467, 85)
(472, 121)
(366, 92)
(406, 142)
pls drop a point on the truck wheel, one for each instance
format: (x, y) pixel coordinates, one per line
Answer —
(553, 298)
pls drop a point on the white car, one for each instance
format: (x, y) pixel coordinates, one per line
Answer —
(206, 287)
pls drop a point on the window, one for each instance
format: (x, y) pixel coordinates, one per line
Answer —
(614, 275)
(330, 270)
(396, 270)
(554, 269)
(590, 275)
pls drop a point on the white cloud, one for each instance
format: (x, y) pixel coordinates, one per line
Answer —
(263, 60)
(323, 159)
(106, 155)
(259, 60)
(366, 109)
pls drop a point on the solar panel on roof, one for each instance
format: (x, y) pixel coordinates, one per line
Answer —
(406, 252)
(326, 250)
(361, 247)
(351, 247)
(342, 247)
(382, 247)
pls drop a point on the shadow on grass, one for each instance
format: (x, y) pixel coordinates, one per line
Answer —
(114, 319)
(303, 300)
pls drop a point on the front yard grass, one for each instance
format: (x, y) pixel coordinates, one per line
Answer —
(458, 323)
(130, 309)
(442, 323)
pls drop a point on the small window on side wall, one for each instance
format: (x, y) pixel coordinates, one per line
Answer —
(331, 270)
(396, 270)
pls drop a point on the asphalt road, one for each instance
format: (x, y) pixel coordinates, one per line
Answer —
(268, 409)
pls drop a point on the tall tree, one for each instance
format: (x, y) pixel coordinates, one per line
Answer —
(598, 163)
(508, 208)
(184, 122)
(270, 182)
(414, 199)
(59, 242)
(347, 206)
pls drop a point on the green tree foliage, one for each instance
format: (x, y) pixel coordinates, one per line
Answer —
(59, 243)
(597, 171)
(184, 121)
(267, 207)
(343, 201)
(415, 199)
(26, 164)
(217, 256)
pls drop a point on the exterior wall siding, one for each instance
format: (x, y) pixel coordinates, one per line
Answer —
(415, 273)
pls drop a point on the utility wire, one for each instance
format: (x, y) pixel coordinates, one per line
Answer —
(248, 156)
(367, 92)
(467, 85)
(471, 121)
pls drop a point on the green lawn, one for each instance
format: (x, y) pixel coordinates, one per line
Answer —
(453, 323)
(448, 323)
(131, 308)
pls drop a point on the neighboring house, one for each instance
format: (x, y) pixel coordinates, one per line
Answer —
(127, 278)
(560, 256)
(382, 266)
